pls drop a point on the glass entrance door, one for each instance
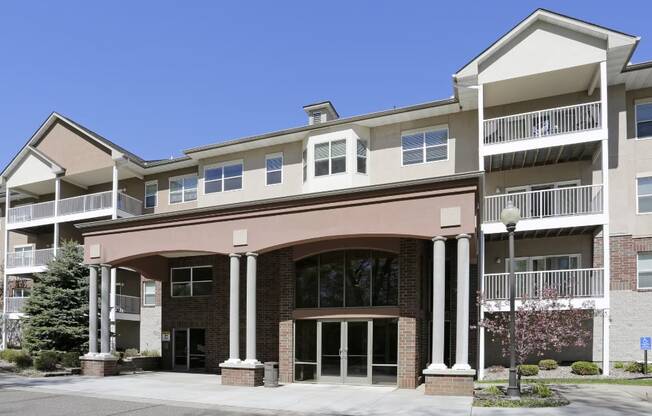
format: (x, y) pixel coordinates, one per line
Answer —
(189, 349)
(345, 351)
(180, 349)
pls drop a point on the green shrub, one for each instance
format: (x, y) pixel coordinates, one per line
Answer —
(635, 367)
(9, 355)
(23, 359)
(70, 359)
(619, 364)
(47, 360)
(131, 352)
(150, 353)
(494, 390)
(528, 370)
(585, 368)
(541, 390)
(548, 364)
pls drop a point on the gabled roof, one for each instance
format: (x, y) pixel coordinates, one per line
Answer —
(615, 38)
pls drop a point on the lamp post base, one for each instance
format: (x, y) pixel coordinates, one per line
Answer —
(513, 389)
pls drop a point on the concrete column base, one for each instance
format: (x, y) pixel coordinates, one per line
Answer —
(99, 365)
(247, 375)
(449, 382)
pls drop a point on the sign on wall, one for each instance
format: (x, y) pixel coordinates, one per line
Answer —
(165, 336)
(646, 343)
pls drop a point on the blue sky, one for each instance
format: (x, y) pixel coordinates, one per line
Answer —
(161, 76)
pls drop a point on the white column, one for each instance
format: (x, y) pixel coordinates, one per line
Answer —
(112, 308)
(462, 333)
(114, 192)
(92, 310)
(606, 251)
(251, 309)
(438, 302)
(57, 197)
(4, 272)
(105, 347)
(480, 127)
(234, 310)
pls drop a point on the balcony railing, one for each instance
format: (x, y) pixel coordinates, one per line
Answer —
(15, 304)
(127, 304)
(574, 283)
(572, 200)
(543, 123)
(31, 258)
(76, 205)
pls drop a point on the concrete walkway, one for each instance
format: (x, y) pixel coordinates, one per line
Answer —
(205, 391)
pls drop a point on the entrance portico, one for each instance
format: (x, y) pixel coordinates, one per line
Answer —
(371, 285)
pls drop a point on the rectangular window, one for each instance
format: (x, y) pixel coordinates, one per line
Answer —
(191, 281)
(151, 190)
(316, 117)
(425, 146)
(183, 189)
(274, 168)
(304, 162)
(149, 293)
(644, 270)
(225, 177)
(361, 153)
(644, 195)
(330, 158)
(21, 292)
(644, 120)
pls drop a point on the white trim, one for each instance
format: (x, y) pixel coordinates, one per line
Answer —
(183, 188)
(191, 281)
(636, 104)
(638, 287)
(222, 165)
(638, 196)
(148, 183)
(274, 156)
(152, 282)
(424, 148)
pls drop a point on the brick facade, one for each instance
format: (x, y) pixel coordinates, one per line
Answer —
(99, 368)
(286, 306)
(449, 385)
(247, 377)
(623, 251)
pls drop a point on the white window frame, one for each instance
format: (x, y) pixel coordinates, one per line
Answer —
(145, 284)
(304, 164)
(183, 189)
(638, 287)
(22, 292)
(638, 212)
(191, 281)
(636, 104)
(530, 260)
(31, 247)
(274, 156)
(149, 183)
(365, 157)
(222, 165)
(424, 148)
(330, 158)
(528, 188)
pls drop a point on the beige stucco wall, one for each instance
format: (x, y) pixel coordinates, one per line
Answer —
(163, 180)
(628, 158)
(578, 244)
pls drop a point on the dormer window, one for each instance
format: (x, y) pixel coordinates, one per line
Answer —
(330, 158)
(316, 117)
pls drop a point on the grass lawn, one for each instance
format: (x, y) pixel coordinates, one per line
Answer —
(623, 381)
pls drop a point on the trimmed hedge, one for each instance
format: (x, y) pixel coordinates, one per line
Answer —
(585, 368)
(528, 370)
(47, 360)
(548, 364)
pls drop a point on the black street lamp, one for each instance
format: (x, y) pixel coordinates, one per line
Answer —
(510, 216)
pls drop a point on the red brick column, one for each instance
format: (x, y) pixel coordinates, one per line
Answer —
(286, 324)
(246, 377)
(450, 383)
(409, 335)
(99, 367)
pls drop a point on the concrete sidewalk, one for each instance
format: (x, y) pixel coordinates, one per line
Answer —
(205, 391)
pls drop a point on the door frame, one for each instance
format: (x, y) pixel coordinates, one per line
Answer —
(343, 377)
(188, 354)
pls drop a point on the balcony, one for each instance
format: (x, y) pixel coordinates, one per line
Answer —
(127, 307)
(73, 209)
(561, 207)
(552, 127)
(15, 304)
(31, 261)
(576, 284)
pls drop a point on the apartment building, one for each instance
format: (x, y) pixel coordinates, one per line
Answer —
(352, 250)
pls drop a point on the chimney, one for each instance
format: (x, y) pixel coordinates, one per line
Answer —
(320, 112)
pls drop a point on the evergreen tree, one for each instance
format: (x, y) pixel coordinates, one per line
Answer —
(57, 310)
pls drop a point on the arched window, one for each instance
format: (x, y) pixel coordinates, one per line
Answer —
(347, 278)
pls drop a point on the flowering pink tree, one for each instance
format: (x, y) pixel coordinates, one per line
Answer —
(548, 323)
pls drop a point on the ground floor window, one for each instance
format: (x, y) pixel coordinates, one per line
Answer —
(189, 349)
(351, 351)
(644, 267)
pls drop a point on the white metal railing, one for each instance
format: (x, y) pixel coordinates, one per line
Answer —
(556, 202)
(127, 304)
(30, 212)
(30, 258)
(15, 304)
(574, 283)
(543, 123)
(74, 205)
(129, 204)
